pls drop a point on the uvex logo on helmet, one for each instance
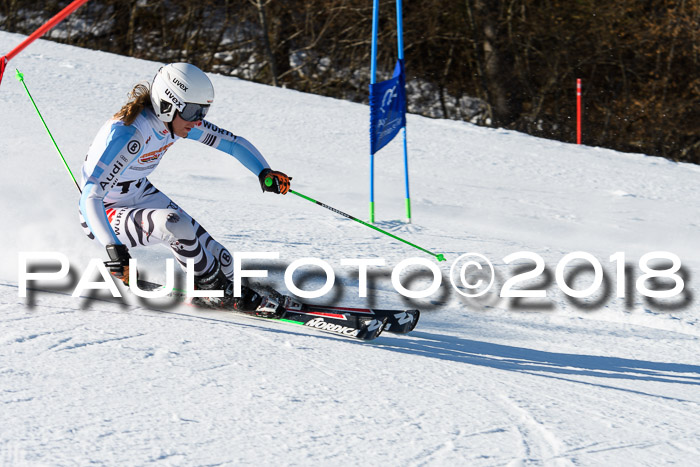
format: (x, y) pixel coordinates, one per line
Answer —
(178, 103)
(179, 84)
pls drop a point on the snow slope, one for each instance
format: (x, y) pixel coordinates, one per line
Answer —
(481, 381)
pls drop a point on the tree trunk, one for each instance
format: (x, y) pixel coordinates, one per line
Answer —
(262, 17)
(499, 76)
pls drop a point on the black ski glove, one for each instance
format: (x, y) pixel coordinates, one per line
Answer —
(119, 262)
(273, 181)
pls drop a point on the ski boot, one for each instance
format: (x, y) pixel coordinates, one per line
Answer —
(250, 301)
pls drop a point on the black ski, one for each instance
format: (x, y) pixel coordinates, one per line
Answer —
(397, 321)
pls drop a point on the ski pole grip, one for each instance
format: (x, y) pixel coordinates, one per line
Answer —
(268, 181)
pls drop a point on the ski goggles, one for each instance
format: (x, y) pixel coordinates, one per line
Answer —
(194, 112)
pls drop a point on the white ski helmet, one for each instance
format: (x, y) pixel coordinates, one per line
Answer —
(183, 88)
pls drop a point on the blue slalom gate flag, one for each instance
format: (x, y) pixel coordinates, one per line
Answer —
(387, 107)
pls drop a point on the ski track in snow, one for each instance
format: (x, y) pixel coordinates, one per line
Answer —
(607, 381)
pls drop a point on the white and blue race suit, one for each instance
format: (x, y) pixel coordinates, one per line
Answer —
(120, 206)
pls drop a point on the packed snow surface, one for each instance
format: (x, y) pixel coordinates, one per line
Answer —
(601, 380)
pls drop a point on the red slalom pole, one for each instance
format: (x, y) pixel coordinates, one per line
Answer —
(60, 16)
(578, 111)
(3, 62)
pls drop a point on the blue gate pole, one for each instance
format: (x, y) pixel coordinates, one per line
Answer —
(373, 77)
(399, 22)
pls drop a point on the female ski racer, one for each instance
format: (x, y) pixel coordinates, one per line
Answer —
(121, 209)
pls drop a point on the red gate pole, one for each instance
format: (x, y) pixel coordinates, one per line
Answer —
(578, 111)
(60, 16)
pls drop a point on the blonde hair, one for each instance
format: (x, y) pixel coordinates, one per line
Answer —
(139, 97)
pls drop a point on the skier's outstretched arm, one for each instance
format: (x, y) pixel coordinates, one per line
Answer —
(243, 150)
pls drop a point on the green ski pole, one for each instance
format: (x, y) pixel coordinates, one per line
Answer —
(20, 78)
(438, 256)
